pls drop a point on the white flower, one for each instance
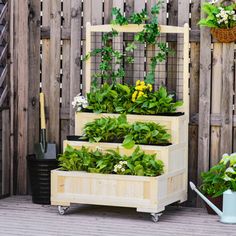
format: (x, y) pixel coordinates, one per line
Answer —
(123, 169)
(213, 1)
(79, 102)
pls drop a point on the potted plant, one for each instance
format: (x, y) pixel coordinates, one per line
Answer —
(213, 186)
(218, 179)
(221, 18)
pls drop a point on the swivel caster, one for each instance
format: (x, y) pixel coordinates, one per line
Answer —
(62, 210)
(155, 217)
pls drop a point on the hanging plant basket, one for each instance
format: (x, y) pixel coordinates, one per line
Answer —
(224, 35)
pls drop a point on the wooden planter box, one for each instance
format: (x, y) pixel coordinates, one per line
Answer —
(146, 194)
(176, 125)
(174, 157)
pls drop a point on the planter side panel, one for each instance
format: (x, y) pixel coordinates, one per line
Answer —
(102, 189)
(174, 124)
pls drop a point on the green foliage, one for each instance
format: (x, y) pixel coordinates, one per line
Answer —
(220, 177)
(218, 15)
(106, 129)
(112, 129)
(230, 173)
(213, 183)
(154, 103)
(110, 162)
(146, 133)
(117, 98)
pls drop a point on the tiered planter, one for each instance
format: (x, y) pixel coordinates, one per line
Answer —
(146, 194)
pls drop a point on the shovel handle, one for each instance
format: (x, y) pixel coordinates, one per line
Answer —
(42, 111)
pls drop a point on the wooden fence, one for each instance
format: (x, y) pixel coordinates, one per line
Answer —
(49, 41)
(5, 164)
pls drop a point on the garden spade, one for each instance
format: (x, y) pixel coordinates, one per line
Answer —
(228, 215)
(44, 150)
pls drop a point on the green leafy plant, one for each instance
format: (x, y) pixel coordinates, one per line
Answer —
(112, 129)
(107, 129)
(154, 103)
(115, 98)
(110, 162)
(146, 133)
(230, 173)
(213, 183)
(219, 15)
(140, 99)
(220, 177)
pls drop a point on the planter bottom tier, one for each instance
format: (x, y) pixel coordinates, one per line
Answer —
(146, 194)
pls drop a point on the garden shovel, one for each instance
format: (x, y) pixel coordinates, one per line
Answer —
(44, 150)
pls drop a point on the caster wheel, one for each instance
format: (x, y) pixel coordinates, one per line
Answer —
(62, 210)
(155, 217)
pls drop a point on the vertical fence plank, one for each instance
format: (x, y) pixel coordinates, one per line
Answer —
(55, 51)
(227, 98)
(65, 98)
(34, 73)
(194, 98)
(118, 41)
(216, 101)
(204, 100)
(87, 15)
(6, 165)
(46, 55)
(108, 4)
(23, 78)
(171, 60)
(75, 59)
(96, 41)
(129, 9)
(139, 55)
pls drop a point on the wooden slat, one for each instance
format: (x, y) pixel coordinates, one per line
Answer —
(66, 54)
(118, 41)
(216, 97)
(129, 9)
(6, 164)
(34, 74)
(171, 60)
(23, 80)
(194, 104)
(96, 41)
(75, 66)
(204, 101)
(54, 75)
(227, 98)
(108, 4)
(139, 70)
(87, 14)
(46, 55)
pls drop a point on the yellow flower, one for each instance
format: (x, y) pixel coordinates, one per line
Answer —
(134, 95)
(149, 87)
(137, 82)
(139, 88)
(140, 94)
(142, 83)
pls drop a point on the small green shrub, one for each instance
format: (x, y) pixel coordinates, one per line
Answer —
(110, 162)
